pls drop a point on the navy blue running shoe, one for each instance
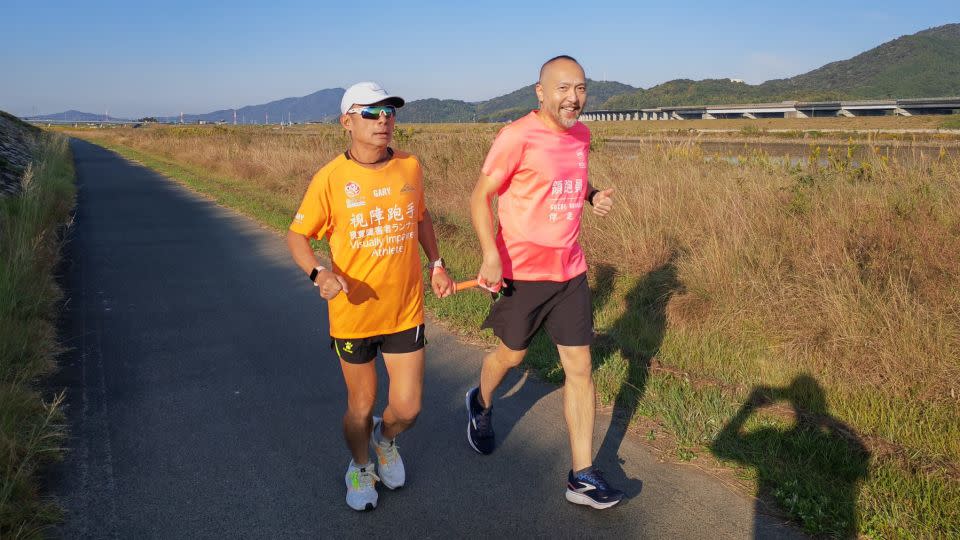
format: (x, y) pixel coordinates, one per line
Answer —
(479, 424)
(592, 490)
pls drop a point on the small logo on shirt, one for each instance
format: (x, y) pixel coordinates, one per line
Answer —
(406, 188)
(382, 192)
(352, 189)
(298, 219)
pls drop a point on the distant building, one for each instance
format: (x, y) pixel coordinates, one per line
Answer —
(737, 81)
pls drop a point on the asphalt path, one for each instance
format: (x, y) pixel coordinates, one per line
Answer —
(204, 402)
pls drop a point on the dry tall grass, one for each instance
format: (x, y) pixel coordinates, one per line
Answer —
(31, 429)
(843, 270)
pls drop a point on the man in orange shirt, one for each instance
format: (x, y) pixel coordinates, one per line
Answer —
(537, 167)
(368, 203)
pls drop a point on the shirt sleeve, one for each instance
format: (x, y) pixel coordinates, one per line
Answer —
(421, 201)
(313, 218)
(504, 156)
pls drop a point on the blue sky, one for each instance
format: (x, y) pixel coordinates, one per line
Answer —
(161, 58)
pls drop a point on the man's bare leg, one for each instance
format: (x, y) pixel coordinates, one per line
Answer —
(361, 381)
(579, 403)
(495, 368)
(406, 391)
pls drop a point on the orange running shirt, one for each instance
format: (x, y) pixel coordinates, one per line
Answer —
(543, 183)
(370, 218)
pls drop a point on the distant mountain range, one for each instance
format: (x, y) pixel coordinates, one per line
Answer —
(317, 107)
(76, 116)
(925, 64)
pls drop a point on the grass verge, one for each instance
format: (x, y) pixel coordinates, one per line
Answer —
(31, 429)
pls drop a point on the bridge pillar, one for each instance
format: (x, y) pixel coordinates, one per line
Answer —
(749, 115)
(708, 116)
(845, 112)
(664, 115)
(901, 112)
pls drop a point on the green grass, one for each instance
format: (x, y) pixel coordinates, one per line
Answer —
(951, 122)
(30, 428)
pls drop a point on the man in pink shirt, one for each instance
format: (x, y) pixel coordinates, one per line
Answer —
(537, 167)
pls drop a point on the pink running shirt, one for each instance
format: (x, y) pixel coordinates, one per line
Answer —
(543, 183)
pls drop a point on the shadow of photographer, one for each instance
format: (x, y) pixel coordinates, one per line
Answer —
(813, 469)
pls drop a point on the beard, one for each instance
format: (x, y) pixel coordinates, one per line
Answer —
(567, 123)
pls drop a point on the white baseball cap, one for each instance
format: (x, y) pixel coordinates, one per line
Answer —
(367, 93)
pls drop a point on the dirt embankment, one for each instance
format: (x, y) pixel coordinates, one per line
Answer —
(17, 143)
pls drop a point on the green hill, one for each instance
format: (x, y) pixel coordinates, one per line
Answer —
(507, 107)
(437, 110)
(925, 64)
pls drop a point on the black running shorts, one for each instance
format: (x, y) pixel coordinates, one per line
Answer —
(563, 308)
(363, 350)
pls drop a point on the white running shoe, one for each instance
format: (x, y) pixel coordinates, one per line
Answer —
(389, 463)
(361, 487)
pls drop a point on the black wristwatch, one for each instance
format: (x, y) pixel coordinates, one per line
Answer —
(592, 194)
(314, 273)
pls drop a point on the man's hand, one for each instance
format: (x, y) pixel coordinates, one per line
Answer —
(330, 284)
(441, 283)
(603, 202)
(490, 276)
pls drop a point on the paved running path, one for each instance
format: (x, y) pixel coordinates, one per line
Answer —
(203, 401)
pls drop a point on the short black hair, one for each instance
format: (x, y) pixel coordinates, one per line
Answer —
(554, 59)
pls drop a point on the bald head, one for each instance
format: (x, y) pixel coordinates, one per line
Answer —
(564, 59)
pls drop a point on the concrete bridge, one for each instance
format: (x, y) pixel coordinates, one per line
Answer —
(785, 109)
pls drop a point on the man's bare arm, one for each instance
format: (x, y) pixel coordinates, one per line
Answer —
(481, 213)
(440, 281)
(329, 283)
